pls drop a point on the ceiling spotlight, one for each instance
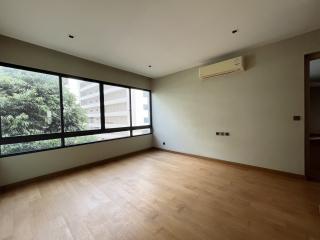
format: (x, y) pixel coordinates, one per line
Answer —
(71, 36)
(235, 31)
(150, 66)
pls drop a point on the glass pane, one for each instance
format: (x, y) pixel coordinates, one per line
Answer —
(117, 106)
(29, 102)
(95, 138)
(81, 102)
(29, 146)
(140, 104)
(141, 131)
(314, 78)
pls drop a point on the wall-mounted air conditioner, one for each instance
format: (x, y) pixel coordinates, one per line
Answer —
(220, 68)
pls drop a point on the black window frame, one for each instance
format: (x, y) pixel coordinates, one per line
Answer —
(62, 134)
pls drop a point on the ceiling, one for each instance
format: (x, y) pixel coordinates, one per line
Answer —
(170, 35)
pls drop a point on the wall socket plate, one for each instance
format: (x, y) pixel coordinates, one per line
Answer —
(296, 118)
(222, 133)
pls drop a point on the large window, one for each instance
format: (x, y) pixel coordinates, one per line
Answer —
(30, 103)
(140, 101)
(141, 131)
(14, 148)
(140, 111)
(42, 110)
(96, 138)
(81, 105)
(116, 106)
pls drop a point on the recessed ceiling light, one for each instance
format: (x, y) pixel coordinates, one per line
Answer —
(234, 31)
(150, 66)
(71, 36)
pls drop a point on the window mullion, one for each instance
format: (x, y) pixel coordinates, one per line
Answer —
(102, 111)
(61, 112)
(150, 112)
(130, 112)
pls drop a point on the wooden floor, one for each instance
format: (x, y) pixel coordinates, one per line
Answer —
(161, 195)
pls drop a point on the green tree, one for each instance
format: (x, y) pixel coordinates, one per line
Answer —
(30, 104)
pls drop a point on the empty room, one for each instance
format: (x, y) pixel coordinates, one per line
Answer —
(165, 120)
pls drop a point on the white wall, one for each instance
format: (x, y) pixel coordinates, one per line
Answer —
(255, 106)
(18, 168)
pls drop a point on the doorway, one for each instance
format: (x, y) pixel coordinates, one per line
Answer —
(312, 116)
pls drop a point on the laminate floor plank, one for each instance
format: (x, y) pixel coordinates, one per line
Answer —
(163, 196)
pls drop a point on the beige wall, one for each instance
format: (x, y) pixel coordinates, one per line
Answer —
(21, 167)
(255, 106)
(13, 169)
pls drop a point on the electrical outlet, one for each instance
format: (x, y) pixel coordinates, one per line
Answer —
(222, 133)
(296, 118)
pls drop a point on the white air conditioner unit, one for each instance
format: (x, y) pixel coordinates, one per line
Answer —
(220, 68)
